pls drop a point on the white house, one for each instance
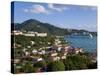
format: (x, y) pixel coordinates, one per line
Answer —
(67, 48)
(53, 54)
(41, 34)
(27, 53)
(63, 57)
(59, 48)
(65, 53)
(16, 45)
(41, 52)
(34, 51)
(15, 32)
(78, 50)
(57, 41)
(35, 59)
(16, 61)
(28, 46)
(55, 58)
(39, 59)
(29, 34)
(32, 42)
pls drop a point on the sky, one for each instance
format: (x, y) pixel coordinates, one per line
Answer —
(60, 15)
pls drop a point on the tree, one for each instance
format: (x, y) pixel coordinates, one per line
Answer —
(76, 62)
(28, 67)
(40, 64)
(69, 64)
(92, 65)
(56, 66)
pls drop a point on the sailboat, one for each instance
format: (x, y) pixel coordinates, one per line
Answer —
(91, 36)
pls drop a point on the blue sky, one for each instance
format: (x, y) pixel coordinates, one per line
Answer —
(64, 16)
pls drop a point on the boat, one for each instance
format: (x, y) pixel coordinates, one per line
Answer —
(91, 36)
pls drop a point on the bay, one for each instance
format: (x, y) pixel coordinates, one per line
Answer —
(87, 43)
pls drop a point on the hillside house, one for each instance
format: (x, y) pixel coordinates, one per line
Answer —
(41, 34)
(15, 32)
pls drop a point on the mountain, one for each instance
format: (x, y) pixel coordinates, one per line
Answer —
(37, 26)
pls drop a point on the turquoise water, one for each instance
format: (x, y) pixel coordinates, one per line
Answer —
(86, 42)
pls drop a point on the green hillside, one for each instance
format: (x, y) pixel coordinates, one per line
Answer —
(37, 26)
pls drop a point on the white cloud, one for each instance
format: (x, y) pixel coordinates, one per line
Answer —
(37, 9)
(57, 7)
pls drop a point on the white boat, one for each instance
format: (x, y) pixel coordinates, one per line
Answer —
(91, 36)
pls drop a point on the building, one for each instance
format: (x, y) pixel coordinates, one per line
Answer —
(59, 48)
(32, 42)
(27, 53)
(34, 51)
(41, 34)
(54, 58)
(53, 54)
(63, 57)
(78, 50)
(15, 32)
(36, 59)
(39, 59)
(26, 34)
(16, 45)
(57, 41)
(29, 34)
(15, 61)
(41, 52)
(64, 53)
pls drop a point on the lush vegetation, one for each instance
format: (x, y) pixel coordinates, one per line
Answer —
(76, 62)
(72, 62)
(39, 41)
(56, 66)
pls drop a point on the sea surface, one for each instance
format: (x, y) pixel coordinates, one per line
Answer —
(88, 43)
